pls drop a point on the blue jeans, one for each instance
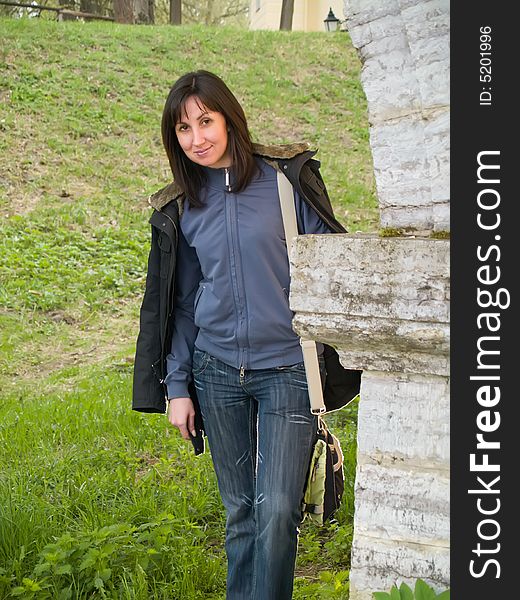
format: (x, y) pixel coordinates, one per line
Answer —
(260, 432)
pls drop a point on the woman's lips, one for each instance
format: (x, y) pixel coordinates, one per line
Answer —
(202, 152)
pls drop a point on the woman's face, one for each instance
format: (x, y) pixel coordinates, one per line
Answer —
(203, 135)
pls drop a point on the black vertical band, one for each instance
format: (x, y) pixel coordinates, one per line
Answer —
(484, 324)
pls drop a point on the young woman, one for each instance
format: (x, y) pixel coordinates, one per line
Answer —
(233, 352)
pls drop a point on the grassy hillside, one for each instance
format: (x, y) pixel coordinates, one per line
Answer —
(80, 151)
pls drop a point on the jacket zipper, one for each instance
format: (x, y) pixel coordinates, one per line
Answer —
(173, 223)
(228, 185)
(161, 380)
(237, 276)
(170, 283)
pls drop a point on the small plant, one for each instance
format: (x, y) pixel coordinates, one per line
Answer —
(96, 562)
(422, 592)
(390, 232)
(328, 585)
(28, 589)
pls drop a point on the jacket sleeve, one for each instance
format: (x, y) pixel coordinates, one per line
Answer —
(179, 360)
(148, 395)
(311, 185)
(307, 218)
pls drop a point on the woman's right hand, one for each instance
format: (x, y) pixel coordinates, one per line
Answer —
(181, 414)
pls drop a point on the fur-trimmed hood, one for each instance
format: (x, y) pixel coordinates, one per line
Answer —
(281, 151)
(275, 151)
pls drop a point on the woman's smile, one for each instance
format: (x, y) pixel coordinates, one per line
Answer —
(202, 152)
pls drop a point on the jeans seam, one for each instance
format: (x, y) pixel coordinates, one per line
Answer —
(254, 461)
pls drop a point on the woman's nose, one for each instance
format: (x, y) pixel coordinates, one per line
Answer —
(198, 138)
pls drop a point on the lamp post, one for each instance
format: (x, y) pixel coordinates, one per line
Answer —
(331, 22)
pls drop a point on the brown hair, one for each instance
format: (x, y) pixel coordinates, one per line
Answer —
(214, 94)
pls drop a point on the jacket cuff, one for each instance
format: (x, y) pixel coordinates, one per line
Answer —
(177, 389)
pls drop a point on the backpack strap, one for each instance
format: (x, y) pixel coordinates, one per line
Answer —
(310, 354)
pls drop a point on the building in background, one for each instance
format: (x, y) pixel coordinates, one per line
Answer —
(308, 14)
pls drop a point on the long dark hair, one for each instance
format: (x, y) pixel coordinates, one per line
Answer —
(214, 94)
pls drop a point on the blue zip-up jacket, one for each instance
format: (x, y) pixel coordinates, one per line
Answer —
(232, 278)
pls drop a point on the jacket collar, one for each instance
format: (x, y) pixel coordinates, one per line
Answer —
(170, 192)
(280, 151)
(161, 197)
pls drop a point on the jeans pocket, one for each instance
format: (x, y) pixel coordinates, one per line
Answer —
(200, 361)
(296, 367)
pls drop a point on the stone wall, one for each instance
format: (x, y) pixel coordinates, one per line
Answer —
(404, 48)
(384, 304)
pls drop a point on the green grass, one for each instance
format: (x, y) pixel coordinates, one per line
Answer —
(80, 461)
(80, 151)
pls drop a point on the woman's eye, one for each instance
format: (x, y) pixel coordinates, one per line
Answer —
(205, 121)
(182, 128)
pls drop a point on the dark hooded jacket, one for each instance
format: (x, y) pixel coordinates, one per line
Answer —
(157, 309)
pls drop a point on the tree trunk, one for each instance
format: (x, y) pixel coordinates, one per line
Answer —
(287, 15)
(90, 6)
(124, 11)
(66, 4)
(208, 17)
(175, 12)
(144, 12)
(134, 11)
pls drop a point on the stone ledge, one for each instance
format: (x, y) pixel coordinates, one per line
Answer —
(383, 302)
(380, 344)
